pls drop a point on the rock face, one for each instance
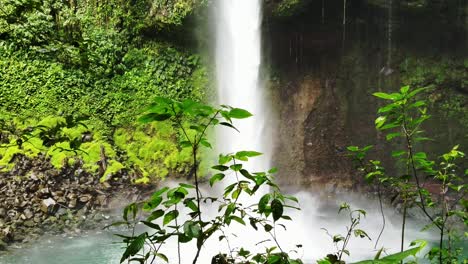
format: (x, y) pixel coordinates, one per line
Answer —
(37, 198)
(324, 77)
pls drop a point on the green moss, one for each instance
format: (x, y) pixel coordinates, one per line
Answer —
(31, 149)
(112, 168)
(58, 154)
(287, 8)
(7, 154)
(51, 121)
(153, 148)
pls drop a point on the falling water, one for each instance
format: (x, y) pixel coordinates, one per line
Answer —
(238, 60)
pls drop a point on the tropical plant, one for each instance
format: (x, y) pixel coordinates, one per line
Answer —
(445, 205)
(178, 213)
(341, 242)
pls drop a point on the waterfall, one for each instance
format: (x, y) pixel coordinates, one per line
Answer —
(238, 62)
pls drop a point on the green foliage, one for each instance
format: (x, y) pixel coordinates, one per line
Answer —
(287, 8)
(89, 58)
(397, 257)
(61, 139)
(153, 150)
(171, 12)
(341, 242)
(449, 82)
(33, 87)
(445, 208)
(176, 212)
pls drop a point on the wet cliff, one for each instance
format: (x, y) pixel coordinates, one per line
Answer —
(325, 62)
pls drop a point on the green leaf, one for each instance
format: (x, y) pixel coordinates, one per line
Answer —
(235, 194)
(387, 108)
(263, 202)
(253, 223)
(246, 174)
(223, 159)
(238, 113)
(236, 167)
(170, 216)
(380, 121)
(229, 210)
(155, 215)
(153, 117)
(217, 177)
(188, 186)
(249, 154)
(192, 229)
(393, 135)
(398, 257)
(273, 259)
(191, 204)
(398, 153)
(162, 256)
(416, 91)
(238, 219)
(185, 144)
(151, 225)
(229, 125)
(360, 233)
(277, 209)
(130, 208)
(404, 89)
(153, 203)
(205, 143)
(344, 206)
(273, 170)
(393, 96)
(135, 246)
(352, 148)
(160, 192)
(220, 167)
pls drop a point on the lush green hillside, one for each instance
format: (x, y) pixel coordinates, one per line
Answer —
(101, 60)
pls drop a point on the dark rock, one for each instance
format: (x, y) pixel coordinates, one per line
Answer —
(38, 198)
(3, 245)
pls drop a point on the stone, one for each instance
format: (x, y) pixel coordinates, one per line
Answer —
(23, 217)
(72, 203)
(28, 213)
(61, 211)
(44, 192)
(3, 245)
(46, 203)
(29, 223)
(85, 198)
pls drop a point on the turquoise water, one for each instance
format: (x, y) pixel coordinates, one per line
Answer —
(91, 248)
(100, 247)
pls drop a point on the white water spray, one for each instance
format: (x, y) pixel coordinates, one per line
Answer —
(238, 61)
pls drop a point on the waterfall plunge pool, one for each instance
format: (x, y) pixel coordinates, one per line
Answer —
(101, 247)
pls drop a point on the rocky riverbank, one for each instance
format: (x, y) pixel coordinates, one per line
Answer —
(36, 198)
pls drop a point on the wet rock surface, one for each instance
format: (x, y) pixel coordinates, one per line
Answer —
(36, 198)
